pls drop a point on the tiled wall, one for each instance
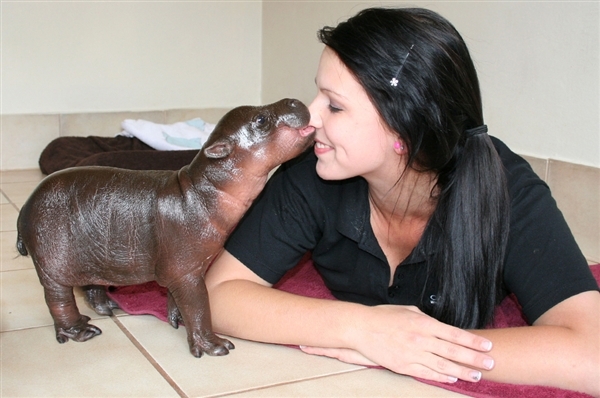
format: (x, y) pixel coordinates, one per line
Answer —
(25, 136)
(576, 188)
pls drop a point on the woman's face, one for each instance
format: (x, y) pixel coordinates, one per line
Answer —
(350, 139)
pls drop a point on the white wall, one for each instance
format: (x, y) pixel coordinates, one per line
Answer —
(67, 57)
(538, 65)
(538, 62)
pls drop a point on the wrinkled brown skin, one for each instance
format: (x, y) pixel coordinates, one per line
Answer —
(98, 226)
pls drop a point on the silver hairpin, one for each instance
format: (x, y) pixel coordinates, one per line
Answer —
(394, 81)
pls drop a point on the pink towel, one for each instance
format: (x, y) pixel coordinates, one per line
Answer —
(151, 299)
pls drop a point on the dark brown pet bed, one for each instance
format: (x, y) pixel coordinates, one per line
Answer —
(119, 151)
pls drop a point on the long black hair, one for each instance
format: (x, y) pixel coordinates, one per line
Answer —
(418, 73)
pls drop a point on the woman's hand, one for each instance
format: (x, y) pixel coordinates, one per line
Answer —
(407, 341)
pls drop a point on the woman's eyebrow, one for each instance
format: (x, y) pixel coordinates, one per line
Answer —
(329, 90)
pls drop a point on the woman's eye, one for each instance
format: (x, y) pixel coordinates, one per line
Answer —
(333, 109)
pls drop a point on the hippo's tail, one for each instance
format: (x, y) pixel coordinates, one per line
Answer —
(21, 246)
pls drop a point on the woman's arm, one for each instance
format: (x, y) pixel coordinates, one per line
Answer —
(396, 337)
(561, 349)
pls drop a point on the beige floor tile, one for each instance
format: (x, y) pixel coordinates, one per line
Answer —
(18, 192)
(249, 366)
(23, 305)
(109, 365)
(10, 259)
(9, 176)
(8, 217)
(361, 383)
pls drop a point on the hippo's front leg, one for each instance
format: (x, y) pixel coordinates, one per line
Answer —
(191, 298)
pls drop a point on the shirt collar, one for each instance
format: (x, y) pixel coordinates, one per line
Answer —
(353, 220)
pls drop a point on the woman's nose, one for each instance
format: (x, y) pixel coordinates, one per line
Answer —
(315, 118)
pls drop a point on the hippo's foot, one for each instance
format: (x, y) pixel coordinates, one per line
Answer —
(212, 344)
(173, 315)
(80, 332)
(98, 300)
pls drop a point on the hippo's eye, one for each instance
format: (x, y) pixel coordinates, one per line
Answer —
(260, 120)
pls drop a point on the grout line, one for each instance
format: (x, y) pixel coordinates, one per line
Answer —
(149, 357)
(10, 201)
(283, 383)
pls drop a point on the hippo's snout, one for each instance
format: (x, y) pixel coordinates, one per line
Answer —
(293, 103)
(294, 113)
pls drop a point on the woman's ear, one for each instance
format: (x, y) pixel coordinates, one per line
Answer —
(399, 147)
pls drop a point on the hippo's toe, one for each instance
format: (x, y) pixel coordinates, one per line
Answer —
(213, 346)
(81, 331)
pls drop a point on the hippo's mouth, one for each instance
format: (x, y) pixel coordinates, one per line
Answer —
(306, 131)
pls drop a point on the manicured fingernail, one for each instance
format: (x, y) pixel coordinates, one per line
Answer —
(486, 345)
(488, 363)
(452, 379)
(475, 376)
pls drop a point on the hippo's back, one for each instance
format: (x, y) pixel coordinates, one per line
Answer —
(92, 215)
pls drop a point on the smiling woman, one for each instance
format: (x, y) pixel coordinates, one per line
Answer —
(418, 221)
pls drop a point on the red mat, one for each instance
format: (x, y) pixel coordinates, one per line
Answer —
(151, 299)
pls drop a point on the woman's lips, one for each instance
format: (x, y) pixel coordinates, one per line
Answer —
(321, 148)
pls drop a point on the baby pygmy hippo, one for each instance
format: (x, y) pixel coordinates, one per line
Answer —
(98, 226)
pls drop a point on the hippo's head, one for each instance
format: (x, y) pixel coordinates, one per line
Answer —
(261, 137)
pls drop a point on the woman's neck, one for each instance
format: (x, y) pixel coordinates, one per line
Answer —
(400, 212)
(412, 197)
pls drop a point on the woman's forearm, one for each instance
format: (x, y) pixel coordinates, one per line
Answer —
(543, 355)
(561, 350)
(247, 310)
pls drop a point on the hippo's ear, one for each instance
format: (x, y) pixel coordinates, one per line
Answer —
(218, 150)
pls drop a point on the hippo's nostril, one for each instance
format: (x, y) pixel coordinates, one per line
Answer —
(292, 102)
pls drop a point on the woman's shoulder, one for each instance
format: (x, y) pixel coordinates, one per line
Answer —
(519, 173)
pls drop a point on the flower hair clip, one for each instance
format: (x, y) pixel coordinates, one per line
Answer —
(394, 81)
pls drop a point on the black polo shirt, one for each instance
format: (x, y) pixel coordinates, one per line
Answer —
(299, 212)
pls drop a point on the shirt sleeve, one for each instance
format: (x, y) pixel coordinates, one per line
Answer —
(544, 264)
(281, 225)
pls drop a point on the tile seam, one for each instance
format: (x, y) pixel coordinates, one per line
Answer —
(149, 357)
(283, 383)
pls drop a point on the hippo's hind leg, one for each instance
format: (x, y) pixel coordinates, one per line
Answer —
(173, 315)
(191, 298)
(68, 322)
(96, 297)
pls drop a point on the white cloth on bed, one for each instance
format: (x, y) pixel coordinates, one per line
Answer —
(191, 134)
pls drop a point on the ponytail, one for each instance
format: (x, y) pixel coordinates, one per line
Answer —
(468, 234)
